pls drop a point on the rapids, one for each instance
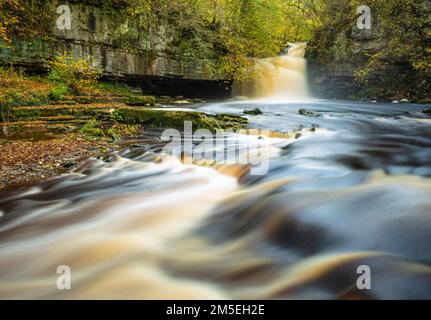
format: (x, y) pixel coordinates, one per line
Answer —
(352, 188)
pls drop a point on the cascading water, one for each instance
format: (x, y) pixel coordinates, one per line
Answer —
(278, 77)
(346, 187)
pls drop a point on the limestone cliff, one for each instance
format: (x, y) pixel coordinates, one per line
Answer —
(339, 50)
(149, 61)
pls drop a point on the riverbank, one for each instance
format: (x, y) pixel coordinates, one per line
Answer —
(45, 130)
(24, 162)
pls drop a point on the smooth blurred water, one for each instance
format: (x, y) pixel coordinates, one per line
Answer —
(352, 188)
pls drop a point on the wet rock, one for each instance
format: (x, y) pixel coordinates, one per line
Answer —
(308, 113)
(141, 101)
(136, 90)
(427, 111)
(300, 127)
(198, 100)
(176, 119)
(254, 112)
(182, 101)
(136, 145)
(69, 164)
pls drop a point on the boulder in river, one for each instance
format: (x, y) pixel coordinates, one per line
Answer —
(308, 113)
(254, 112)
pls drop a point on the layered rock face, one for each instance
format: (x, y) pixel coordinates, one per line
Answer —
(333, 63)
(147, 62)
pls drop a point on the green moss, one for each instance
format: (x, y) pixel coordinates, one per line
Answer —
(15, 99)
(141, 101)
(119, 131)
(84, 100)
(92, 130)
(4, 113)
(114, 89)
(58, 93)
(117, 116)
(176, 119)
(254, 112)
(35, 113)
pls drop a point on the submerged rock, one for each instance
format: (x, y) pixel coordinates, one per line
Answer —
(427, 111)
(253, 112)
(308, 113)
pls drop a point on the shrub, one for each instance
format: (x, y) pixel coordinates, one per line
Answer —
(117, 131)
(4, 112)
(114, 134)
(92, 130)
(117, 116)
(58, 92)
(76, 74)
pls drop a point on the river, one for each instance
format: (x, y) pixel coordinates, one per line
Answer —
(350, 187)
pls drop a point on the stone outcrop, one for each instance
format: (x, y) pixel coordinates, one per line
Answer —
(332, 65)
(93, 34)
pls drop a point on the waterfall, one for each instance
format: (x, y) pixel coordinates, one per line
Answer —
(278, 77)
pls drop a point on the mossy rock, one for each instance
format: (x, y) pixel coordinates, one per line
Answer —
(308, 113)
(36, 113)
(139, 101)
(68, 102)
(176, 119)
(85, 100)
(253, 112)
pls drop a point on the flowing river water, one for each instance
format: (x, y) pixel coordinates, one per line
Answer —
(356, 190)
(348, 185)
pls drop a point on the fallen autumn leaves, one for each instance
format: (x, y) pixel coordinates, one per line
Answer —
(26, 162)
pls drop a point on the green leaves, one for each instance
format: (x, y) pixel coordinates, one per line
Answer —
(76, 74)
(217, 38)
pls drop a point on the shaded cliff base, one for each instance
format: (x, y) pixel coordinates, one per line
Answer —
(174, 86)
(386, 86)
